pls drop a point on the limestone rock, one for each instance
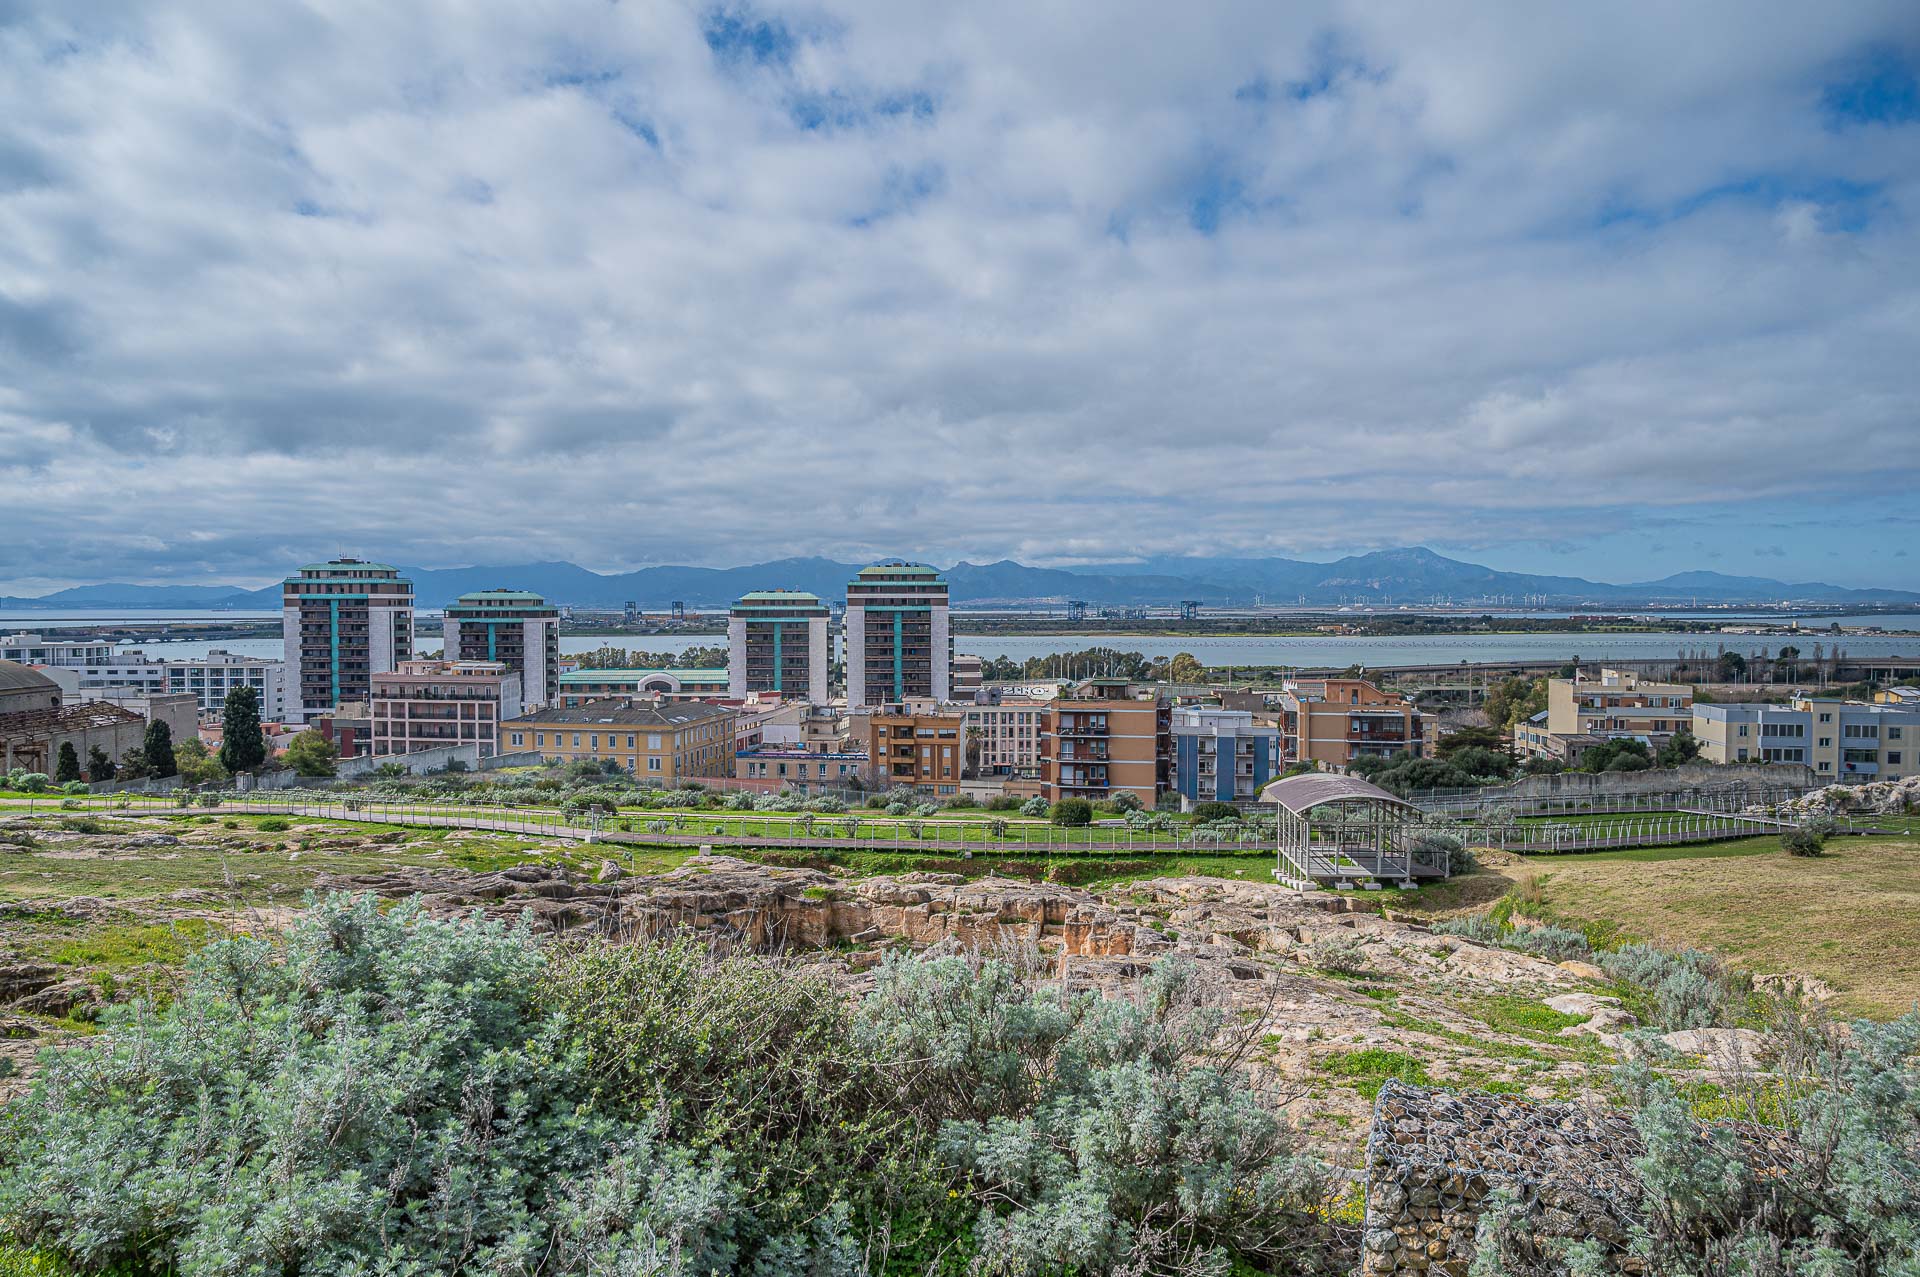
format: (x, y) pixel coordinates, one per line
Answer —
(1583, 970)
(1580, 1003)
(1722, 1048)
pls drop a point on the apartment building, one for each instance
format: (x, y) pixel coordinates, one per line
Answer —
(784, 766)
(793, 725)
(1334, 721)
(207, 679)
(969, 674)
(663, 742)
(1104, 737)
(515, 627)
(429, 704)
(1003, 738)
(37, 649)
(344, 621)
(777, 642)
(1581, 712)
(914, 744)
(577, 687)
(899, 639)
(1223, 755)
(1841, 741)
(212, 676)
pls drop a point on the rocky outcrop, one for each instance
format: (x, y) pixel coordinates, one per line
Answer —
(770, 909)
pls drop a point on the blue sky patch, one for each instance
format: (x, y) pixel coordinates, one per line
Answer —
(1883, 89)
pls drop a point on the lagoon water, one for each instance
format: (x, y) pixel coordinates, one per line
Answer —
(1329, 651)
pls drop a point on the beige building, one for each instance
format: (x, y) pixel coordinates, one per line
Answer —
(1581, 712)
(1336, 720)
(1003, 739)
(429, 704)
(1842, 741)
(662, 742)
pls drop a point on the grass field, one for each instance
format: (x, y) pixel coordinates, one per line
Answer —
(1850, 918)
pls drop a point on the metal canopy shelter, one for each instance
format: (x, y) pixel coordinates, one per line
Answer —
(1341, 831)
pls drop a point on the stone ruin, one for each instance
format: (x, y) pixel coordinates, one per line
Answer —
(1435, 1157)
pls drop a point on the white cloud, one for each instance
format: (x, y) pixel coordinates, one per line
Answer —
(561, 282)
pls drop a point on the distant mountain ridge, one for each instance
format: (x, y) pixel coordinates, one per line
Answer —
(1415, 575)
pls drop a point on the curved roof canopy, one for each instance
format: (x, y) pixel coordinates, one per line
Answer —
(1301, 794)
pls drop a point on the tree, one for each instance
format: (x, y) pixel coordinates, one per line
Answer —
(1511, 700)
(1682, 748)
(242, 747)
(68, 768)
(311, 754)
(1731, 667)
(198, 765)
(99, 766)
(1213, 809)
(1186, 668)
(158, 747)
(1471, 738)
(134, 764)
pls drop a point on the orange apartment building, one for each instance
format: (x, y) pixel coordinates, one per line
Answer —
(1333, 721)
(1105, 737)
(914, 745)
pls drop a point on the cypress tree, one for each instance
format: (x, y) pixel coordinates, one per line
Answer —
(99, 766)
(242, 747)
(158, 747)
(69, 766)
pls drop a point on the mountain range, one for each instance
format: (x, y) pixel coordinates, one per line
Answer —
(1414, 575)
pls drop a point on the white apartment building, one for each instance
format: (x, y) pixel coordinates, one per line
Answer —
(1841, 740)
(207, 679)
(899, 640)
(37, 649)
(212, 676)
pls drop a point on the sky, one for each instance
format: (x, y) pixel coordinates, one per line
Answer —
(1605, 290)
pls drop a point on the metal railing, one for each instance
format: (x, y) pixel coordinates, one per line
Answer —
(647, 827)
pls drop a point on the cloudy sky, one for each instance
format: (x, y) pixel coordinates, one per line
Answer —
(1613, 290)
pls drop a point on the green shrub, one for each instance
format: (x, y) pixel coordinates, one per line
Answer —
(389, 1093)
(1809, 838)
(1342, 955)
(1208, 812)
(1072, 812)
(1034, 807)
(273, 825)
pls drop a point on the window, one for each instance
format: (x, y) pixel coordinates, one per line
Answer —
(593, 742)
(653, 740)
(630, 737)
(519, 738)
(1893, 758)
(653, 763)
(1893, 733)
(539, 739)
(576, 740)
(1826, 718)
(1826, 742)
(1743, 729)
